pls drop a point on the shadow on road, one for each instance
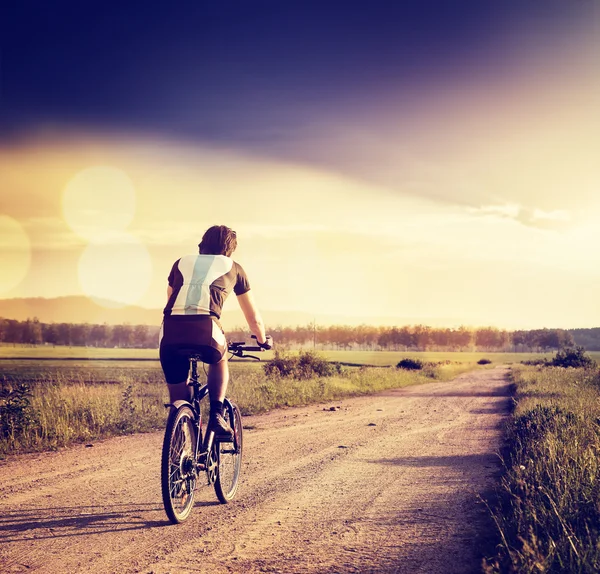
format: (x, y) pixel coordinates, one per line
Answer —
(487, 460)
(61, 522)
(503, 391)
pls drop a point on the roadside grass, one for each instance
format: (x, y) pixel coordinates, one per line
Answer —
(548, 505)
(49, 406)
(54, 407)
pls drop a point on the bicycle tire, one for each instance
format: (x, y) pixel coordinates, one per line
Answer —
(230, 458)
(178, 476)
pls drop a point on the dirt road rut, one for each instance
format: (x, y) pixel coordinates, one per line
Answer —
(385, 484)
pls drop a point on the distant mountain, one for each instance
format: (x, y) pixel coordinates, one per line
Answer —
(74, 309)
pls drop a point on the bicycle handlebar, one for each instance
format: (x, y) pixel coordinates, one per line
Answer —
(237, 348)
(243, 347)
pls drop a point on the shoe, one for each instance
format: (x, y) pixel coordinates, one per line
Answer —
(220, 426)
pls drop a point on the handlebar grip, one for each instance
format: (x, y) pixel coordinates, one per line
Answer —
(266, 346)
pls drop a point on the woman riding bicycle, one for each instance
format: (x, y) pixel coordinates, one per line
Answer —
(198, 287)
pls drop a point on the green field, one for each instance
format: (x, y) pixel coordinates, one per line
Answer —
(379, 358)
(383, 358)
(60, 352)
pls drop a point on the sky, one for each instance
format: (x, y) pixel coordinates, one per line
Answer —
(433, 162)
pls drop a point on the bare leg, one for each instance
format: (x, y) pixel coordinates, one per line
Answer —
(218, 378)
(180, 392)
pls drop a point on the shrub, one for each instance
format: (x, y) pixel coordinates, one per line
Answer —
(305, 365)
(484, 362)
(282, 365)
(16, 413)
(311, 364)
(539, 362)
(573, 357)
(410, 364)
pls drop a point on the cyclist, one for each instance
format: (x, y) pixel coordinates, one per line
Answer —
(198, 287)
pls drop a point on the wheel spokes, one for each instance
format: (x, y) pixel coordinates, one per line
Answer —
(182, 482)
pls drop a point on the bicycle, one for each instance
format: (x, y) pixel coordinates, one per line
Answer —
(186, 452)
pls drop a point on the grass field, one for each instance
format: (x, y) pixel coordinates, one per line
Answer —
(380, 358)
(52, 403)
(390, 358)
(63, 352)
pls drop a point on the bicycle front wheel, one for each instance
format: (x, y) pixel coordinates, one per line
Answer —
(229, 458)
(178, 472)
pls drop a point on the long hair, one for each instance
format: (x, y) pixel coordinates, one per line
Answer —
(218, 240)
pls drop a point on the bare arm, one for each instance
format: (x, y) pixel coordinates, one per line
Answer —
(169, 292)
(252, 316)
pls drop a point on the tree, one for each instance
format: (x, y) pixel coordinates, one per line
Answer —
(50, 333)
(14, 331)
(122, 336)
(461, 338)
(99, 335)
(31, 332)
(422, 334)
(384, 340)
(80, 334)
(140, 335)
(64, 334)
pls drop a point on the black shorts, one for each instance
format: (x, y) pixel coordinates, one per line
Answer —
(184, 335)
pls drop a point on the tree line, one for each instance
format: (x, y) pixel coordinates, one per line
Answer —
(33, 332)
(340, 337)
(423, 338)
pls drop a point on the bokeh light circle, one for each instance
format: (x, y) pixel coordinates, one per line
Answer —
(15, 253)
(115, 270)
(98, 199)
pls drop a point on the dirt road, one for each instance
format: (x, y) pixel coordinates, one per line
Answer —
(384, 484)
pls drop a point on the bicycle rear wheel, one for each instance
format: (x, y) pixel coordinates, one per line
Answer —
(229, 458)
(178, 473)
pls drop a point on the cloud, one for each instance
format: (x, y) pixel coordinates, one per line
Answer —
(556, 215)
(556, 219)
(510, 210)
(528, 138)
(50, 233)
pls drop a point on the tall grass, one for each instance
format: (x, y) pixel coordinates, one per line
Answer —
(548, 510)
(58, 406)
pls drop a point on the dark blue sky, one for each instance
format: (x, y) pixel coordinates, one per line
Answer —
(249, 73)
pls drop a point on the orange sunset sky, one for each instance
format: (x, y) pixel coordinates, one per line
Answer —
(475, 200)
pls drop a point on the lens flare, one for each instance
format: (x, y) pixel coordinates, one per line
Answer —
(116, 270)
(99, 199)
(15, 253)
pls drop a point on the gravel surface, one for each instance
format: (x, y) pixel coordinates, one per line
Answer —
(386, 483)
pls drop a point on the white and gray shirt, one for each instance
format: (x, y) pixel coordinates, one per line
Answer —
(201, 283)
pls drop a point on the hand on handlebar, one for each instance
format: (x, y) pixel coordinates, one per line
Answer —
(268, 344)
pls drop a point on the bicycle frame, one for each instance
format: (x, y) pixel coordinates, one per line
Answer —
(204, 441)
